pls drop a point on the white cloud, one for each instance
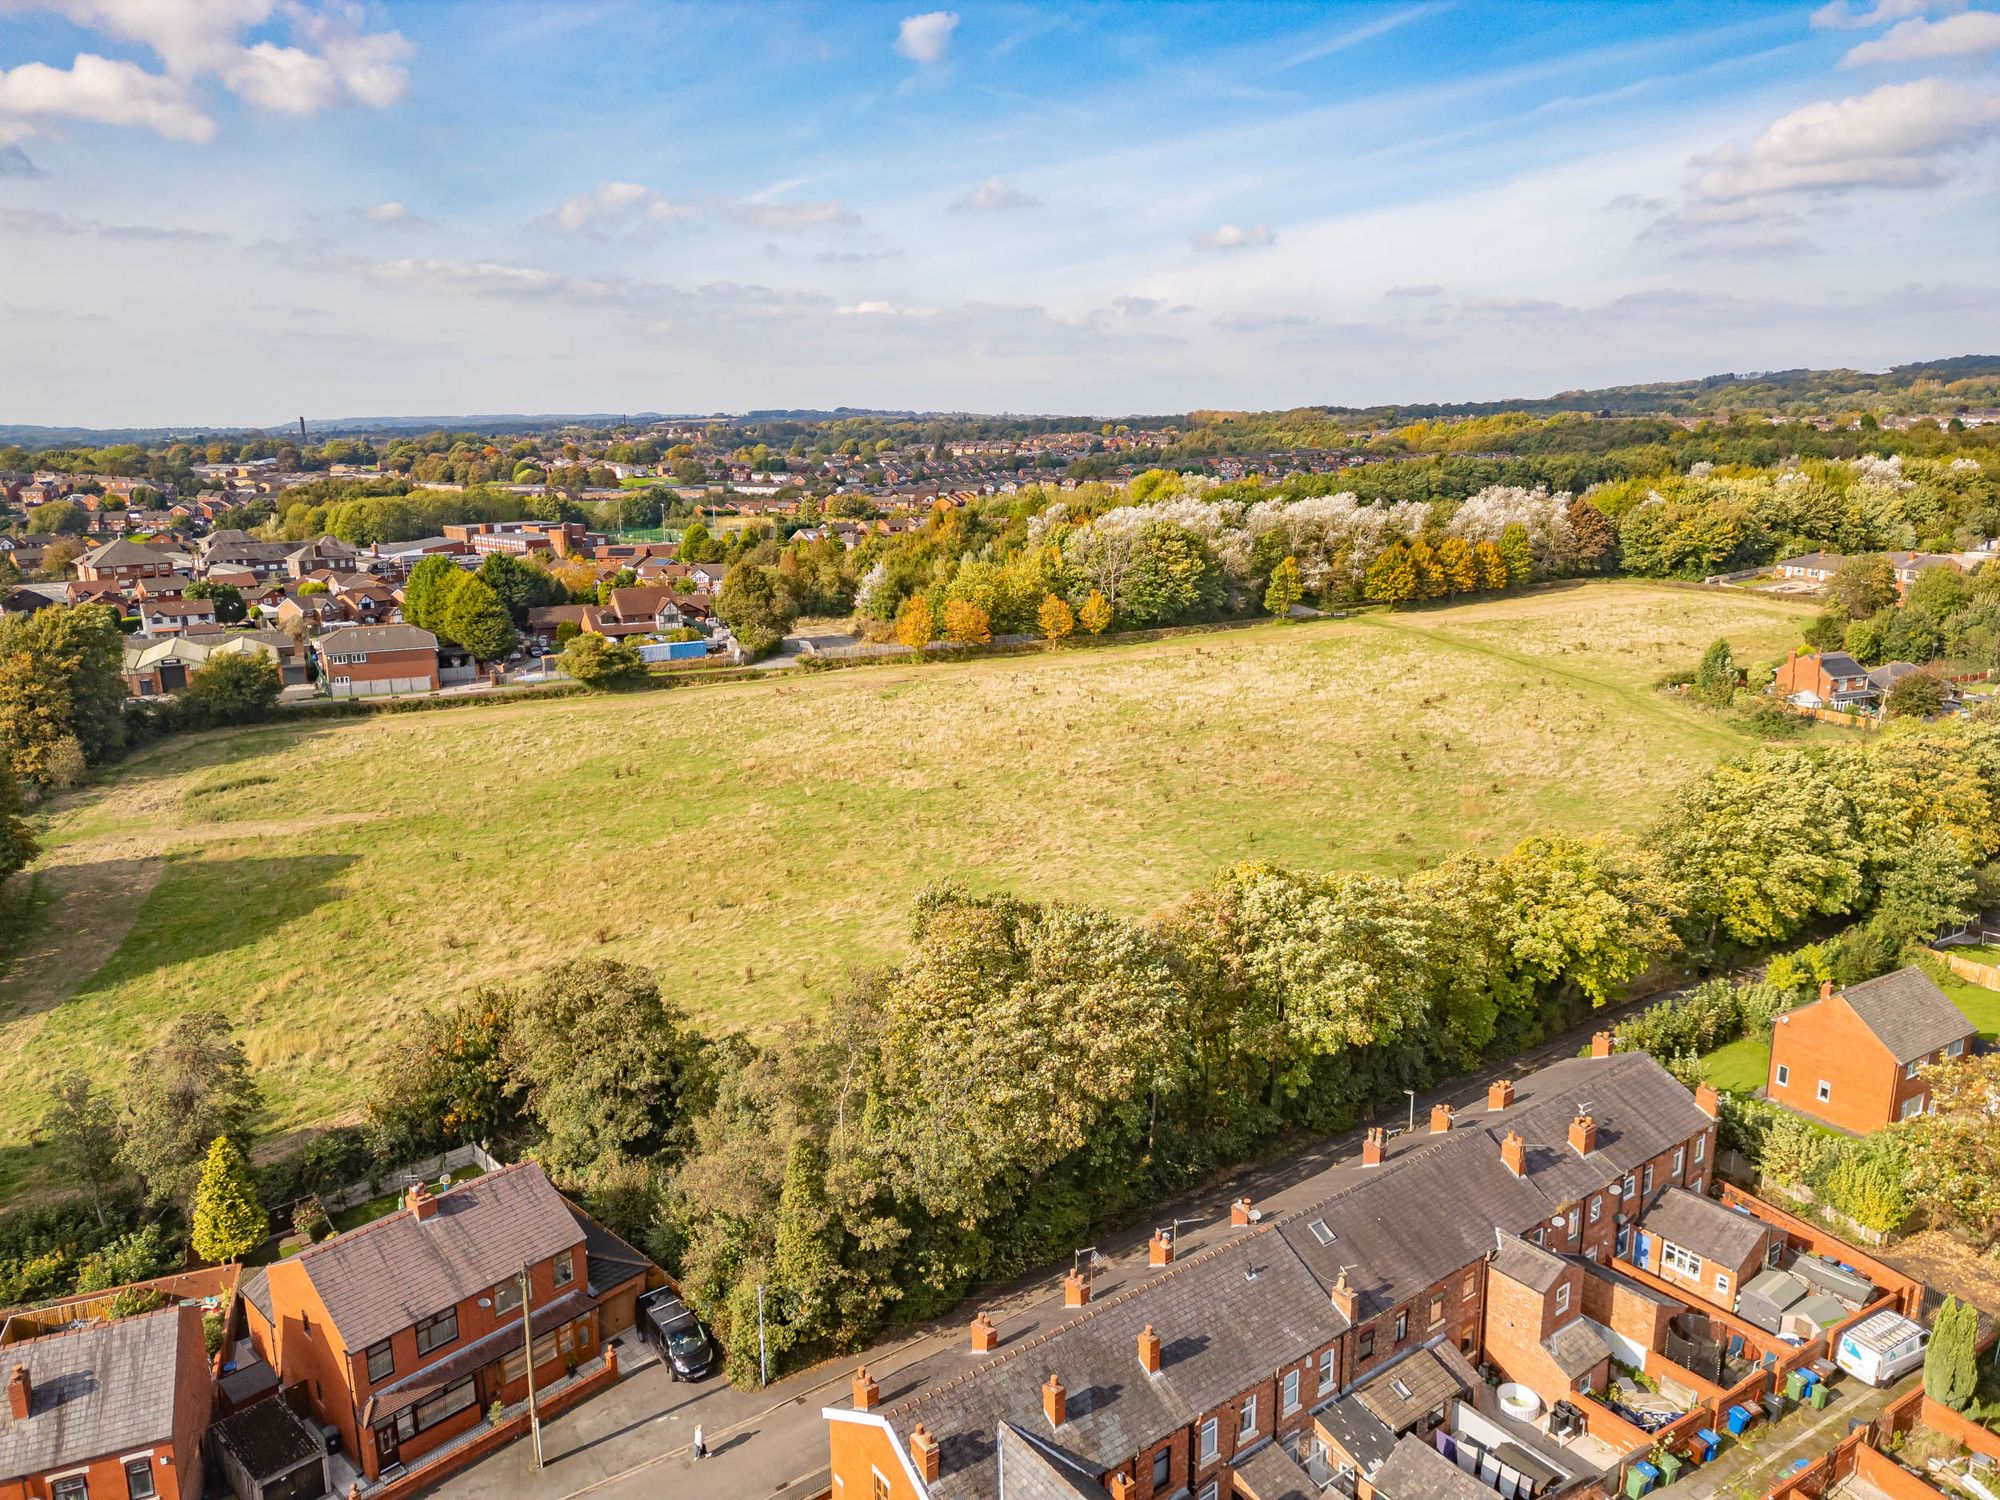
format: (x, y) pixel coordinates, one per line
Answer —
(393, 212)
(926, 38)
(109, 93)
(785, 218)
(462, 276)
(994, 195)
(368, 64)
(1235, 237)
(1918, 40)
(1890, 137)
(616, 206)
(190, 36)
(1838, 15)
(283, 80)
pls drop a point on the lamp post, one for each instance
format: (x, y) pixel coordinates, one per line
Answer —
(1413, 1109)
(528, 1342)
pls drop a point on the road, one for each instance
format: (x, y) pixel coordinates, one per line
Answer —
(633, 1442)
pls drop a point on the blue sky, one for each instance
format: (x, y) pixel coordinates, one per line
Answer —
(240, 210)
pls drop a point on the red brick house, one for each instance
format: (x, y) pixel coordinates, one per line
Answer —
(1691, 1241)
(358, 661)
(402, 1332)
(1824, 679)
(107, 1411)
(123, 563)
(1854, 1058)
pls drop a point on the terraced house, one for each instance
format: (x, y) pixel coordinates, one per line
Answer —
(1230, 1373)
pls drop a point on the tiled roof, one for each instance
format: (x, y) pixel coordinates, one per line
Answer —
(1403, 1392)
(1577, 1347)
(369, 638)
(1417, 1471)
(99, 1390)
(1705, 1227)
(393, 1273)
(1908, 1013)
(1030, 1469)
(608, 1260)
(1530, 1265)
(269, 1439)
(1272, 1474)
(1226, 1318)
(1432, 1206)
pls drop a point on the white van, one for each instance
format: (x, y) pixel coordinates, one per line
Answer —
(1881, 1348)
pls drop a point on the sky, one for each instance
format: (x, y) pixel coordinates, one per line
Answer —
(220, 212)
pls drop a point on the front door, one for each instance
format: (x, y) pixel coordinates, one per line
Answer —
(387, 1449)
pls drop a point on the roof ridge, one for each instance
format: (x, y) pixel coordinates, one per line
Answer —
(1089, 1311)
(349, 1236)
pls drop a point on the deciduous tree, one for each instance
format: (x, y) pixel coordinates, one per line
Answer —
(599, 662)
(83, 1134)
(61, 682)
(966, 623)
(1095, 615)
(914, 626)
(1285, 589)
(191, 1086)
(478, 621)
(1055, 619)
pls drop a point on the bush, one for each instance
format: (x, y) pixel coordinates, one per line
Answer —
(1865, 1182)
(131, 1302)
(1703, 1019)
(138, 1256)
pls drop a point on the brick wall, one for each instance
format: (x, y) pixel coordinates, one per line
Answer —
(1908, 1293)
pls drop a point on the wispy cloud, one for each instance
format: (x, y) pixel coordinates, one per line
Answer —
(1918, 40)
(393, 213)
(617, 207)
(1355, 36)
(1235, 237)
(994, 195)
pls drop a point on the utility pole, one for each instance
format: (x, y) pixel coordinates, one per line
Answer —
(763, 1355)
(528, 1342)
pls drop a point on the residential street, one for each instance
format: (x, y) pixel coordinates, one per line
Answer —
(635, 1441)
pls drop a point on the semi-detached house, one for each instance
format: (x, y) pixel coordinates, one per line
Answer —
(1210, 1379)
(1855, 1057)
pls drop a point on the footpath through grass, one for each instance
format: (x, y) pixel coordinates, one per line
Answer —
(757, 842)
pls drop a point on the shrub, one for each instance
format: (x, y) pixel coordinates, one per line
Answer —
(132, 1301)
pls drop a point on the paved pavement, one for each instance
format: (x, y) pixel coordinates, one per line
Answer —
(633, 1442)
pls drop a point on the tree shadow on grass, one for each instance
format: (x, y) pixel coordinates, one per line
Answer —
(204, 907)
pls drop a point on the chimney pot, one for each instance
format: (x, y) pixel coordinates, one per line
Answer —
(1583, 1134)
(1055, 1400)
(1708, 1101)
(1514, 1152)
(1239, 1213)
(20, 1393)
(1374, 1146)
(1160, 1249)
(1123, 1487)
(924, 1453)
(867, 1392)
(1600, 1044)
(1441, 1117)
(1149, 1350)
(1076, 1289)
(985, 1337)
(1343, 1298)
(419, 1201)
(1500, 1094)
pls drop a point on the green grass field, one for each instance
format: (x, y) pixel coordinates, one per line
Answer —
(758, 842)
(1980, 1005)
(1739, 1067)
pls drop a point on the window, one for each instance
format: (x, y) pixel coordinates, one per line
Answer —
(1721, 1282)
(1624, 1241)
(139, 1477)
(1695, 1186)
(1471, 1286)
(879, 1490)
(1320, 1232)
(1291, 1396)
(1700, 1148)
(566, 1268)
(1680, 1159)
(1913, 1106)
(1163, 1468)
(1208, 1441)
(1686, 1262)
(1562, 1299)
(1365, 1347)
(1541, 1235)
(1784, 1075)
(1824, 1092)
(1955, 1049)
(1207, 1491)
(1325, 1371)
(514, 1367)
(1596, 1207)
(436, 1332)
(69, 1487)
(447, 1402)
(1246, 1417)
(381, 1362)
(1649, 1177)
(1402, 1326)
(1910, 1069)
(1631, 1187)
(1572, 1223)
(1437, 1308)
(507, 1295)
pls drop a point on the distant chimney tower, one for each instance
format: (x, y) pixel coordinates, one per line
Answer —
(1149, 1350)
(1500, 1094)
(1514, 1152)
(1600, 1044)
(1055, 1400)
(1583, 1134)
(20, 1393)
(302, 432)
(1441, 1117)
(1374, 1146)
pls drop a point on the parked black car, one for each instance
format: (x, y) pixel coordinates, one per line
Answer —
(683, 1344)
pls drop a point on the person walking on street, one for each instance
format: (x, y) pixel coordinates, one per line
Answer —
(700, 1447)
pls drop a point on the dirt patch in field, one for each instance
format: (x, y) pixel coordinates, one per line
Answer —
(1946, 1263)
(90, 907)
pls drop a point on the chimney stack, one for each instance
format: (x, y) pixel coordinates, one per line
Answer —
(1583, 1134)
(1076, 1289)
(1160, 1249)
(419, 1200)
(1055, 1400)
(20, 1393)
(1149, 1350)
(1708, 1101)
(1123, 1487)
(1826, 989)
(1441, 1116)
(1500, 1094)
(985, 1337)
(1600, 1044)
(1239, 1213)
(1514, 1152)
(1374, 1146)
(1343, 1298)
(867, 1393)
(924, 1453)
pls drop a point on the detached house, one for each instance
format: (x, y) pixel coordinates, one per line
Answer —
(107, 1411)
(1854, 1057)
(358, 661)
(399, 1334)
(123, 563)
(1824, 679)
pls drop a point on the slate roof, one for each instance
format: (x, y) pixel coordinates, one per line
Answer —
(1221, 1328)
(1273, 1474)
(1908, 1013)
(1705, 1227)
(371, 638)
(269, 1439)
(1577, 1347)
(1417, 1471)
(122, 553)
(608, 1260)
(1530, 1265)
(1431, 1207)
(1365, 1437)
(1423, 1375)
(393, 1273)
(1031, 1469)
(1840, 664)
(99, 1390)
